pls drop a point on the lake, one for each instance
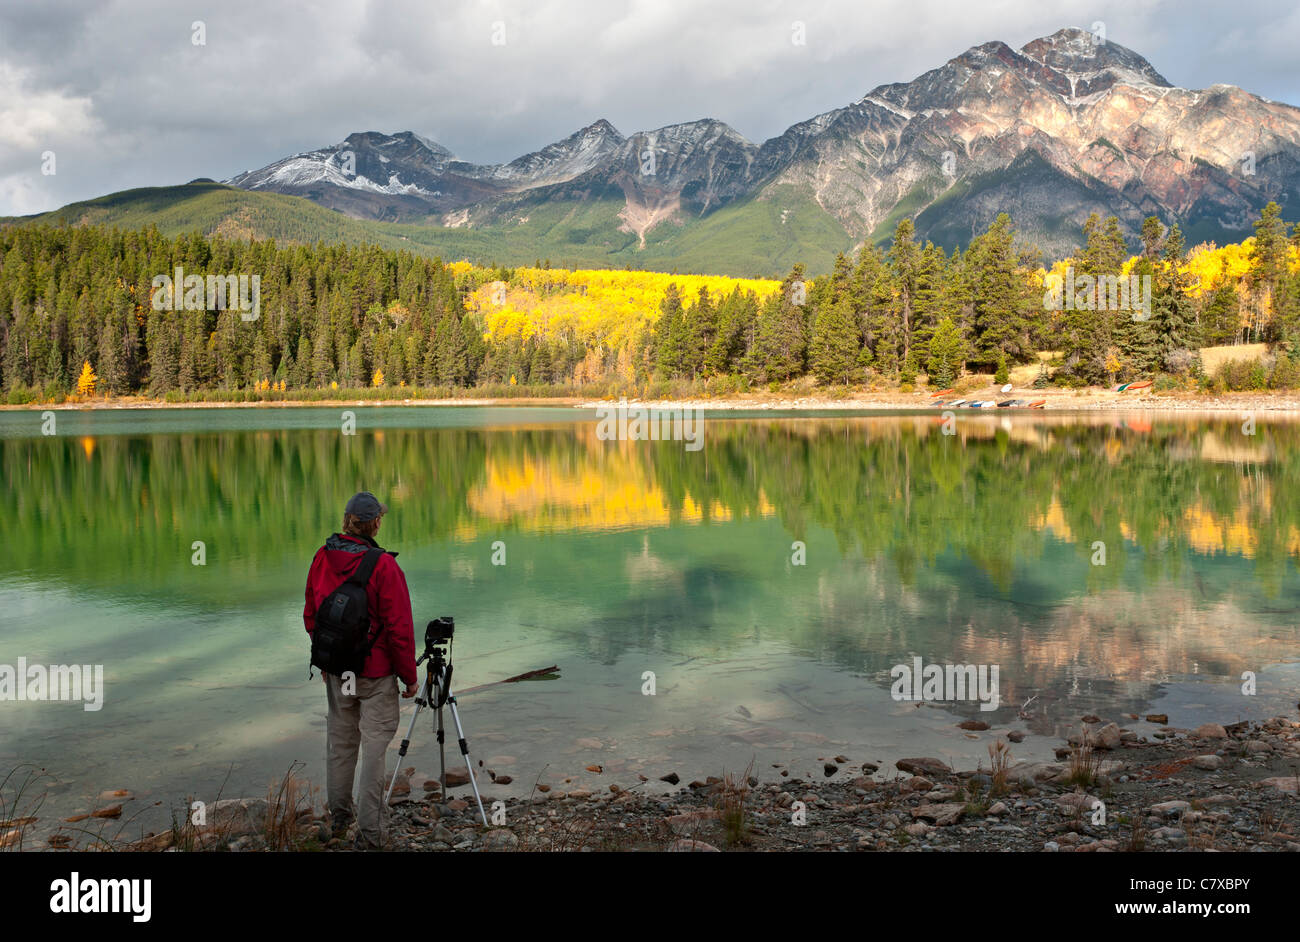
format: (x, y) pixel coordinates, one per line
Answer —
(766, 584)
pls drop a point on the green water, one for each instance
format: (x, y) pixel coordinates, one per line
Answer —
(629, 557)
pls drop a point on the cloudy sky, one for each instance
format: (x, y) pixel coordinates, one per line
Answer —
(123, 96)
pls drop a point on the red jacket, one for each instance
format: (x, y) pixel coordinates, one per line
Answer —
(390, 603)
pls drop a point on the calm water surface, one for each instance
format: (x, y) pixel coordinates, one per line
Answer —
(628, 557)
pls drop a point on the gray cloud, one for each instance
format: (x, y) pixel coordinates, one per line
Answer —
(122, 96)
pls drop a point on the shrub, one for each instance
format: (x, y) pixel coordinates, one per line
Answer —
(20, 396)
(1179, 362)
(1285, 375)
(1238, 375)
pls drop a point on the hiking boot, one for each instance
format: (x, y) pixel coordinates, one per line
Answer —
(340, 827)
(362, 843)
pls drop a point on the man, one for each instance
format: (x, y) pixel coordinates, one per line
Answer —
(363, 710)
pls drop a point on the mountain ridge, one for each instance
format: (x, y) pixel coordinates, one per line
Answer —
(1064, 126)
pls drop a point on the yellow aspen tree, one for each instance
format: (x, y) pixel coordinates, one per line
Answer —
(87, 380)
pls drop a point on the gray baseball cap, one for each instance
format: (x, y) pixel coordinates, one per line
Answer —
(365, 506)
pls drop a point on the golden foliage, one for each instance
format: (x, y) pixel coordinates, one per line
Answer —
(600, 309)
(87, 380)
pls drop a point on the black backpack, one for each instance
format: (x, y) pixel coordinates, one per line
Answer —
(341, 640)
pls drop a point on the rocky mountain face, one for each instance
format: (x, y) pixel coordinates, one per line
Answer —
(1065, 126)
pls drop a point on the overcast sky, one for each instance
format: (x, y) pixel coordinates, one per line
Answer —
(123, 97)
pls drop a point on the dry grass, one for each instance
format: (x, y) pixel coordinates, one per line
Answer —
(730, 805)
(1137, 832)
(1214, 357)
(999, 767)
(21, 797)
(1085, 763)
(287, 804)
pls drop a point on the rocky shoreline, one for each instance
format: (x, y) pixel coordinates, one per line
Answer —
(1213, 788)
(1059, 400)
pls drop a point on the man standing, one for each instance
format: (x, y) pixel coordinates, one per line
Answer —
(363, 709)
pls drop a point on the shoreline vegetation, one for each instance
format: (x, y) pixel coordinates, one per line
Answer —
(88, 312)
(1092, 399)
(1128, 784)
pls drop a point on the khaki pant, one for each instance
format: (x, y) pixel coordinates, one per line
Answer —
(367, 721)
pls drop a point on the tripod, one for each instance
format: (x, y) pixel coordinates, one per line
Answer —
(436, 692)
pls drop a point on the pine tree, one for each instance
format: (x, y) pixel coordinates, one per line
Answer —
(1172, 316)
(453, 360)
(701, 322)
(904, 259)
(539, 370)
(1000, 296)
(1153, 233)
(780, 344)
(160, 341)
(1002, 375)
(1269, 274)
(112, 375)
(835, 344)
(947, 353)
(671, 332)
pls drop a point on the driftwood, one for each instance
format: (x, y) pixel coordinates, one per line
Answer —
(510, 680)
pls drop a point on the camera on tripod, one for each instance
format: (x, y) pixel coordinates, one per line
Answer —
(435, 693)
(439, 632)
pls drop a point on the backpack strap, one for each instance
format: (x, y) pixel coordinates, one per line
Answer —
(361, 575)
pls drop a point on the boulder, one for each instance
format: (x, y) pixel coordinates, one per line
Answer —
(685, 845)
(1283, 783)
(233, 816)
(1030, 773)
(500, 840)
(1108, 737)
(942, 815)
(923, 766)
(691, 821)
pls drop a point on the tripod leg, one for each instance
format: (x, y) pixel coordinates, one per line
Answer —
(442, 743)
(464, 751)
(406, 742)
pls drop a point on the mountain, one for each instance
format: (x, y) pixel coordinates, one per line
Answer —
(1049, 133)
(405, 176)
